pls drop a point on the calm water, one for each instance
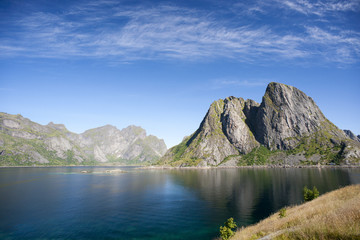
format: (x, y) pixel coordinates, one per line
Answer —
(62, 203)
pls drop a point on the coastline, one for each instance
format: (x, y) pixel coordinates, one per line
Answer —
(52, 166)
(190, 167)
(256, 166)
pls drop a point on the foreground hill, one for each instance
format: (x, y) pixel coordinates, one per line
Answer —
(335, 215)
(23, 142)
(286, 128)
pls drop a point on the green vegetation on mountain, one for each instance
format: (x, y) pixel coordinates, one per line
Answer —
(23, 142)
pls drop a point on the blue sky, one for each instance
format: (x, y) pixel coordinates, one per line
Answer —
(160, 64)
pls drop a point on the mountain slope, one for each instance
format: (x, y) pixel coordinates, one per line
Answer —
(23, 142)
(286, 128)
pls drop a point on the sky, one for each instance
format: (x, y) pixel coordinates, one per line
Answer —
(160, 64)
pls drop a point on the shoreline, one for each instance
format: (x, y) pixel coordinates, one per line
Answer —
(52, 166)
(181, 168)
(257, 166)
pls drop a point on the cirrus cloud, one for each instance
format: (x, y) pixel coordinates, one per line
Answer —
(105, 29)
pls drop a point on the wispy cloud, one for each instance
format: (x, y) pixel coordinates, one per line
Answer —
(319, 7)
(342, 46)
(103, 29)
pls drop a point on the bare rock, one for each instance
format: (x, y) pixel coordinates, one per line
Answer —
(351, 135)
(11, 124)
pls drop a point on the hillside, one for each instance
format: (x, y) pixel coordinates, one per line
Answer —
(23, 142)
(335, 215)
(287, 128)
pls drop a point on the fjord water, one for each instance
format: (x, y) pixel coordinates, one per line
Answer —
(63, 203)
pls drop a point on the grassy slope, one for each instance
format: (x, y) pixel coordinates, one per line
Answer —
(335, 215)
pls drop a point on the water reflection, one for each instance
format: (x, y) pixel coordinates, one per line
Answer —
(63, 203)
(252, 194)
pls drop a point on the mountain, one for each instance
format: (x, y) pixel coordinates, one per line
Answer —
(23, 142)
(351, 135)
(286, 128)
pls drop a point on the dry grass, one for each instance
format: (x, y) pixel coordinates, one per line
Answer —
(335, 215)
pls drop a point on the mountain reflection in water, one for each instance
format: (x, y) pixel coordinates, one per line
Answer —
(95, 203)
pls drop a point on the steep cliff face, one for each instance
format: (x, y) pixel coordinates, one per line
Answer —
(285, 115)
(234, 124)
(23, 142)
(287, 121)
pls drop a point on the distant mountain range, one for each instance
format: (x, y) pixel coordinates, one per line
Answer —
(287, 128)
(23, 142)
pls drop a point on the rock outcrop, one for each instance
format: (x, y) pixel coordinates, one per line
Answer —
(351, 135)
(239, 131)
(23, 142)
(285, 115)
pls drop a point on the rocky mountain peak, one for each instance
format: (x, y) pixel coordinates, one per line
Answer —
(286, 119)
(285, 114)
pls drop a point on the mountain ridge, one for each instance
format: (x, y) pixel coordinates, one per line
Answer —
(287, 127)
(23, 142)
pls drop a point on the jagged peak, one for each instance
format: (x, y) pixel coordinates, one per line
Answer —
(275, 85)
(231, 98)
(252, 102)
(280, 90)
(277, 94)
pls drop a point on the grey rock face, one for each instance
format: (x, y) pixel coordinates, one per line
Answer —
(236, 130)
(351, 152)
(11, 124)
(285, 114)
(351, 135)
(129, 143)
(53, 143)
(60, 144)
(209, 142)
